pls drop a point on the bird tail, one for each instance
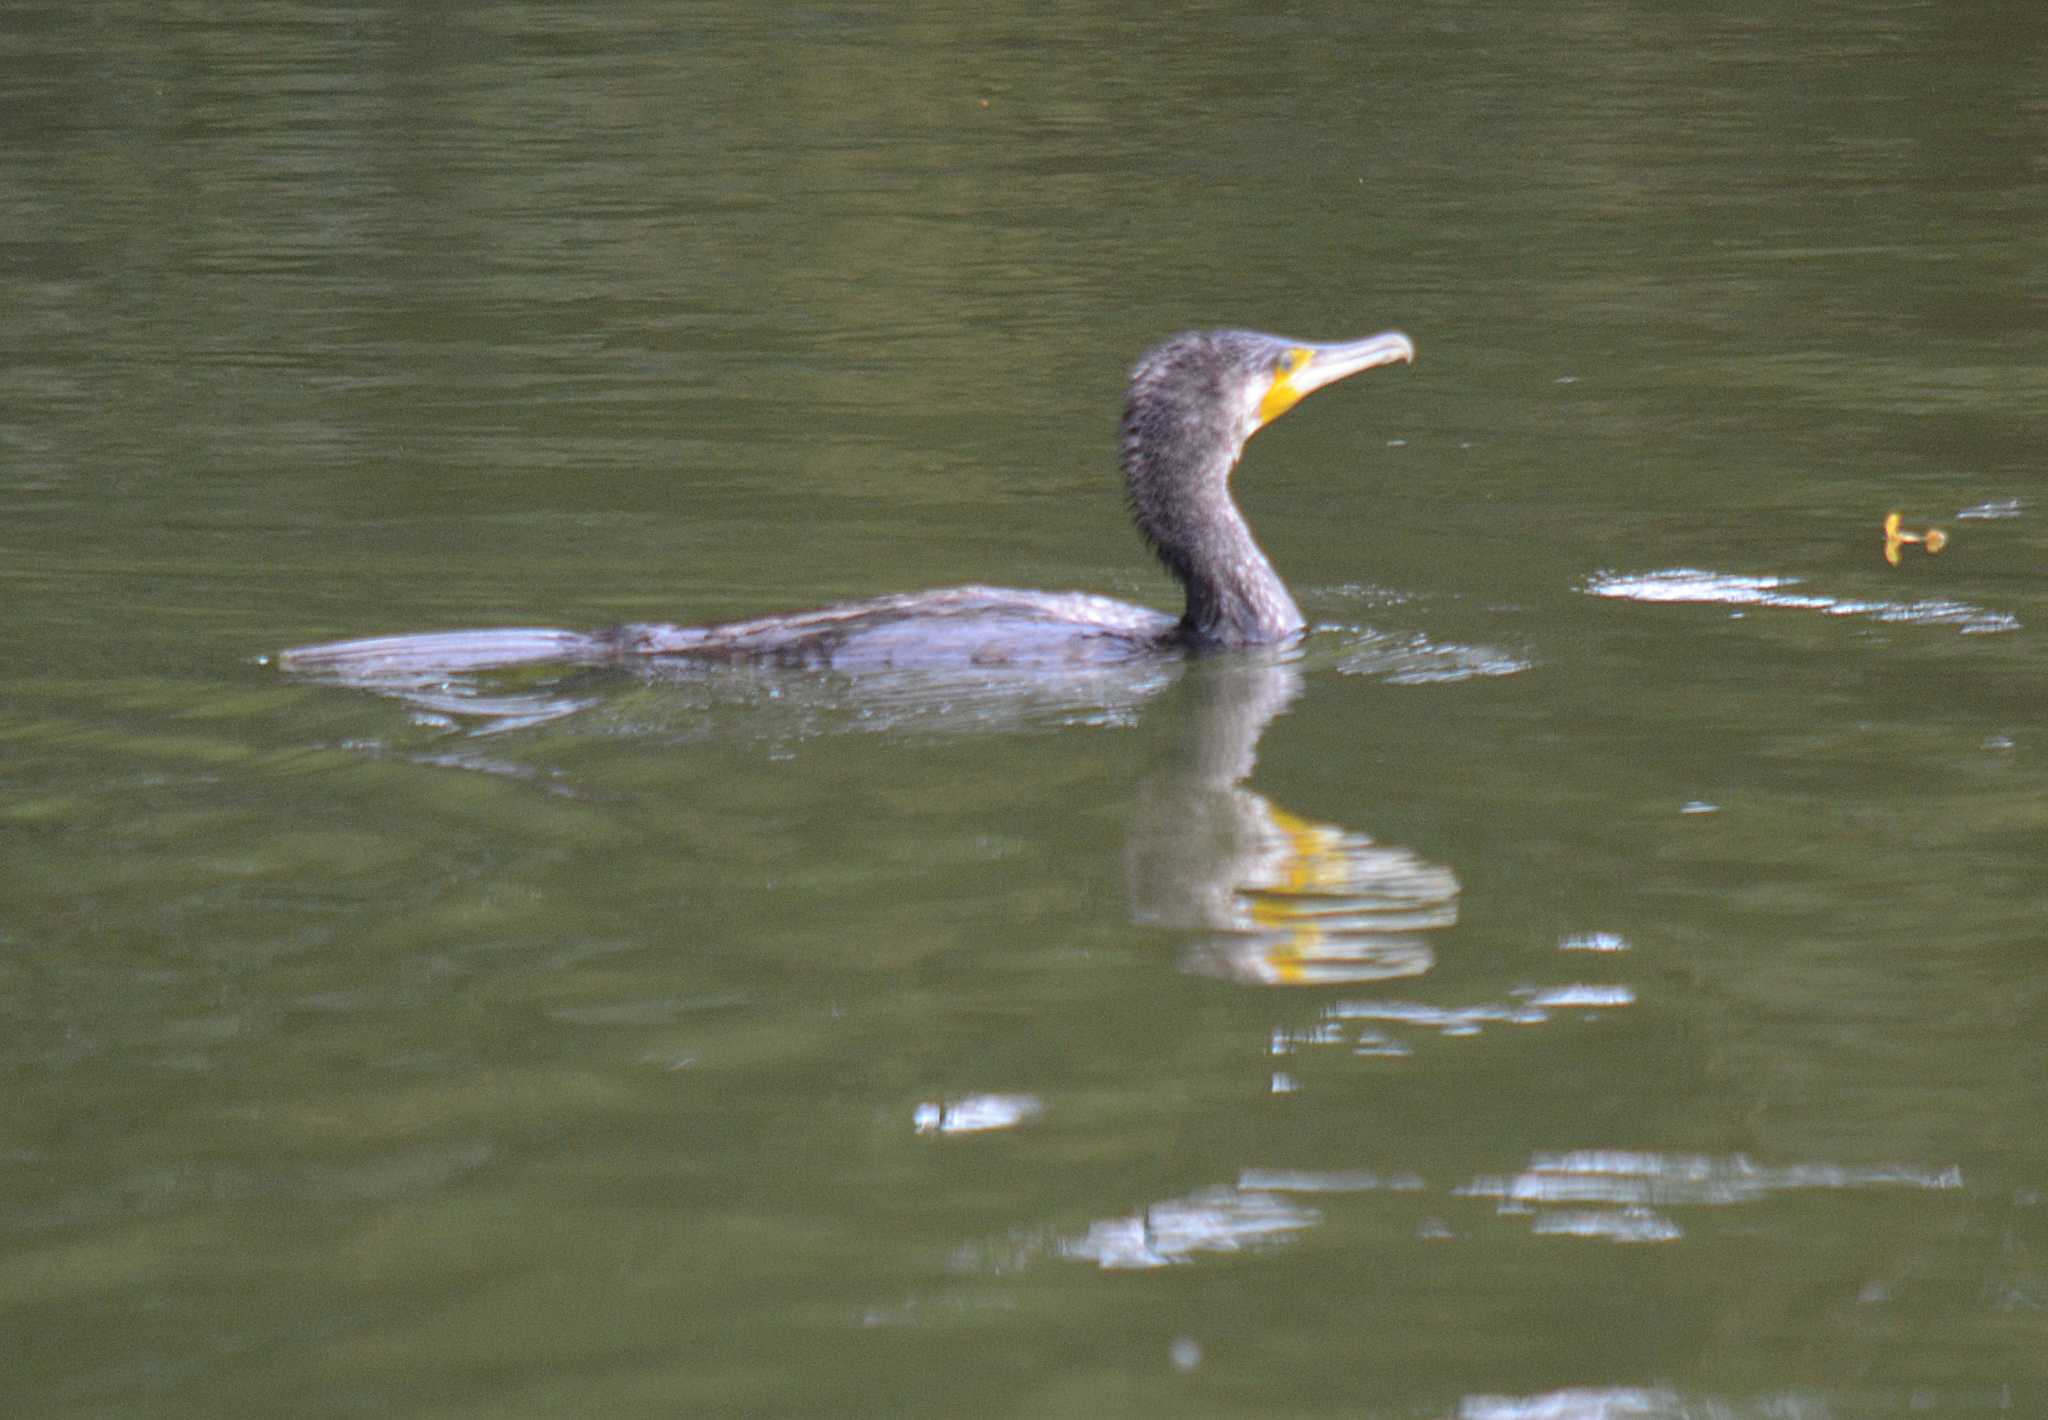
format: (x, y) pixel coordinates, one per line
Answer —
(439, 653)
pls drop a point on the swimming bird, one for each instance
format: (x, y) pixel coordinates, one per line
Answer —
(1192, 403)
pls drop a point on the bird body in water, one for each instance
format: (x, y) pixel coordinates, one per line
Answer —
(1192, 403)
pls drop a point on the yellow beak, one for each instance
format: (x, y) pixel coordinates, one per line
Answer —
(1307, 368)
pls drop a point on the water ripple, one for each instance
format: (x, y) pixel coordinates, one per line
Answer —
(1416, 660)
(1692, 584)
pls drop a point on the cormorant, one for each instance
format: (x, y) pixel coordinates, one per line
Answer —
(1192, 403)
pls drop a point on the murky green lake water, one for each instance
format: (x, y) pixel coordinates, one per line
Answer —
(1601, 974)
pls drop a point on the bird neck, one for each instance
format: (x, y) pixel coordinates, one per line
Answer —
(1180, 497)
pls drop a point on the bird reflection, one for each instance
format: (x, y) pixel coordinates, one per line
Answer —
(1282, 900)
(1277, 899)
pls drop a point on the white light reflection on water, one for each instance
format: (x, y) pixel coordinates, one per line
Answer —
(1629, 1225)
(1606, 1195)
(1617, 1403)
(1218, 1220)
(1594, 942)
(1644, 1403)
(1605, 1403)
(976, 1114)
(1451, 1020)
(1995, 509)
(1691, 584)
(1316, 1181)
(1533, 1008)
(1568, 998)
(1632, 1185)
